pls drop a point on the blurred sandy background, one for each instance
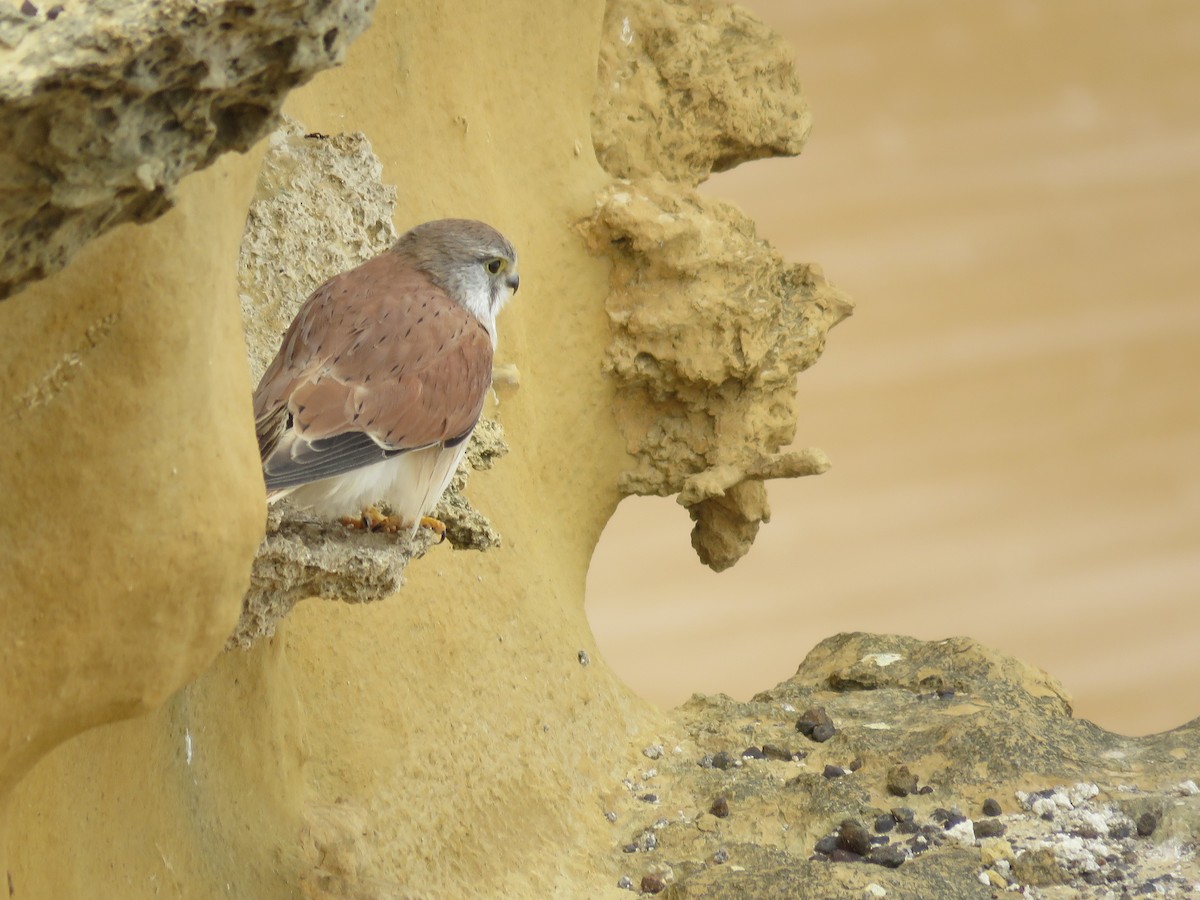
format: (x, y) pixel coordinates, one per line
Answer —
(1011, 193)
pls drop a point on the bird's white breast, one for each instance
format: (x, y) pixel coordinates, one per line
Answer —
(411, 483)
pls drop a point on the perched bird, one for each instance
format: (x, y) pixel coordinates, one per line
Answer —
(382, 375)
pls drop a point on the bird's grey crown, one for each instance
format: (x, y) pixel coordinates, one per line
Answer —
(454, 254)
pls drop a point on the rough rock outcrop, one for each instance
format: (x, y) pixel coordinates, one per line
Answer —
(946, 770)
(106, 105)
(685, 89)
(710, 327)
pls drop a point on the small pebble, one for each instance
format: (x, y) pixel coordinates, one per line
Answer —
(826, 844)
(649, 798)
(28, 9)
(833, 771)
(652, 884)
(753, 753)
(611, 816)
(654, 751)
(584, 659)
(874, 891)
(811, 718)
(54, 12)
(822, 733)
(991, 827)
(625, 883)
(721, 856)
(884, 823)
(645, 842)
(890, 856)
(722, 760)
(991, 807)
(901, 782)
(1146, 824)
(853, 836)
(720, 807)
(902, 813)
(925, 789)
(856, 764)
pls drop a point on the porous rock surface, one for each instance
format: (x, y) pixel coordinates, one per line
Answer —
(709, 329)
(709, 325)
(106, 105)
(684, 89)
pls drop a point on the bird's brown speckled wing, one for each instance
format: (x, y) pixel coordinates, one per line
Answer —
(379, 360)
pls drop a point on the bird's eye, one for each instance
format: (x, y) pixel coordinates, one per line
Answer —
(495, 266)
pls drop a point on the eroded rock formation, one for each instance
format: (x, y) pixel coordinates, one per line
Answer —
(744, 803)
(107, 105)
(710, 327)
(685, 89)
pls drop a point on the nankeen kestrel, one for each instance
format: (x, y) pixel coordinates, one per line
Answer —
(382, 376)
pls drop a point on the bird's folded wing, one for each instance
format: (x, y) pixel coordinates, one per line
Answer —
(390, 366)
(298, 461)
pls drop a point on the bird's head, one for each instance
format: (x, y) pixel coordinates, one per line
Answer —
(473, 262)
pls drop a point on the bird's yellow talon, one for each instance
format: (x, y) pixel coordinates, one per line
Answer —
(373, 520)
(437, 526)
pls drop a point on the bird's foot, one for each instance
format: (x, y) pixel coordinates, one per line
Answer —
(373, 520)
(437, 526)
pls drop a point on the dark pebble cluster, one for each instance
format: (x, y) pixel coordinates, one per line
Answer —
(851, 841)
(725, 760)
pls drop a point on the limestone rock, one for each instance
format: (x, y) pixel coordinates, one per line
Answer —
(709, 325)
(976, 724)
(320, 208)
(684, 89)
(709, 329)
(108, 104)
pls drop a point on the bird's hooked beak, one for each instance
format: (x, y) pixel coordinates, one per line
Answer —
(513, 281)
